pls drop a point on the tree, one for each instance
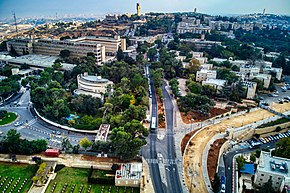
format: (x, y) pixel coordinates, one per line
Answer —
(85, 143)
(151, 54)
(56, 65)
(208, 90)
(64, 53)
(120, 54)
(194, 87)
(282, 148)
(240, 162)
(136, 129)
(253, 157)
(13, 141)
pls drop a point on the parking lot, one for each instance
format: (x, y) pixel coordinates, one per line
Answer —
(279, 96)
(255, 143)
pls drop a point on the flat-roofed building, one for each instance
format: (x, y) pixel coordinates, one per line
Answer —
(218, 84)
(250, 89)
(249, 69)
(204, 74)
(129, 174)
(20, 46)
(265, 78)
(96, 86)
(111, 44)
(274, 168)
(276, 71)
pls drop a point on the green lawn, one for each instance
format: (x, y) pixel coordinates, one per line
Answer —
(9, 117)
(78, 178)
(16, 174)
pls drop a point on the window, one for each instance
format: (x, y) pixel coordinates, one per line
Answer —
(277, 182)
(261, 179)
(262, 174)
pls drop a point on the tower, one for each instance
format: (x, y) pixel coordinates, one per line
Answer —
(138, 9)
(264, 11)
(194, 10)
(14, 16)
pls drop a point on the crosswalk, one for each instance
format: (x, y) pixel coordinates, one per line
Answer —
(164, 161)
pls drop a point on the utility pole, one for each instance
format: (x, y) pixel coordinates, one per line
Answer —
(14, 16)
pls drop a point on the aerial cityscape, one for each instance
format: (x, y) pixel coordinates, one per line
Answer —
(144, 97)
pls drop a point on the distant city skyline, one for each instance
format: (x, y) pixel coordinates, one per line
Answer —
(28, 8)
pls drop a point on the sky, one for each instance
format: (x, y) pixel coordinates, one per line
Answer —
(38, 8)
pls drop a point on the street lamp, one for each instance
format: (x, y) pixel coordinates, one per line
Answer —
(191, 121)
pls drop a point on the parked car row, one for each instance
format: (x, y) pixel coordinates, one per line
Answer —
(254, 143)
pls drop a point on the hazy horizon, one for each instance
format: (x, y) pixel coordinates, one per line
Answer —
(30, 8)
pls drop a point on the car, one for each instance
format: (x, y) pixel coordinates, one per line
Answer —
(53, 132)
(261, 98)
(58, 133)
(275, 95)
(265, 104)
(223, 188)
(267, 140)
(16, 124)
(270, 95)
(287, 134)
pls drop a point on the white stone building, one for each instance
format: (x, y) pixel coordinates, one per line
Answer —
(275, 168)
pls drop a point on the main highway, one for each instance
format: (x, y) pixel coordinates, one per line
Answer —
(172, 175)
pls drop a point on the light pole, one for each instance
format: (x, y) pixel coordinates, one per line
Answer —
(191, 121)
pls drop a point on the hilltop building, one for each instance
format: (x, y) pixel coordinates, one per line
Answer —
(96, 86)
(138, 9)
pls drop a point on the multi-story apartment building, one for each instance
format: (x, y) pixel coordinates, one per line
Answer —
(265, 78)
(205, 74)
(191, 25)
(250, 89)
(274, 168)
(95, 86)
(218, 84)
(249, 69)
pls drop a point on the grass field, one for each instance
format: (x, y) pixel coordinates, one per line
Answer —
(9, 117)
(75, 179)
(16, 174)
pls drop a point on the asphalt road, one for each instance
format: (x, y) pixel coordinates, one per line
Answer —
(172, 176)
(35, 128)
(228, 160)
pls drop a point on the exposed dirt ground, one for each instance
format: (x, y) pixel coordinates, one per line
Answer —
(193, 154)
(197, 117)
(186, 139)
(212, 158)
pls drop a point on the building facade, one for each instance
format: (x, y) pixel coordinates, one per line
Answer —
(204, 74)
(96, 86)
(274, 168)
(250, 89)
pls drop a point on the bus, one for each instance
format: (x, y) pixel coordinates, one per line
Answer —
(153, 123)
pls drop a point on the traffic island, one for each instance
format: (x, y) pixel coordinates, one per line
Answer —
(7, 117)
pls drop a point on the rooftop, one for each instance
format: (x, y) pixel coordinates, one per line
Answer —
(272, 164)
(37, 61)
(129, 171)
(96, 79)
(218, 82)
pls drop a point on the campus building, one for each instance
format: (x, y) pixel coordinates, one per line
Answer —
(100, 46)
(274, 168)
(96, 86)
(129, 174)
(204, 74)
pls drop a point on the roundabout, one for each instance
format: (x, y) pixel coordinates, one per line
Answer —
(8, 118)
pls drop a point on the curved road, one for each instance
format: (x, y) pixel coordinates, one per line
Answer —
(35, 128)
